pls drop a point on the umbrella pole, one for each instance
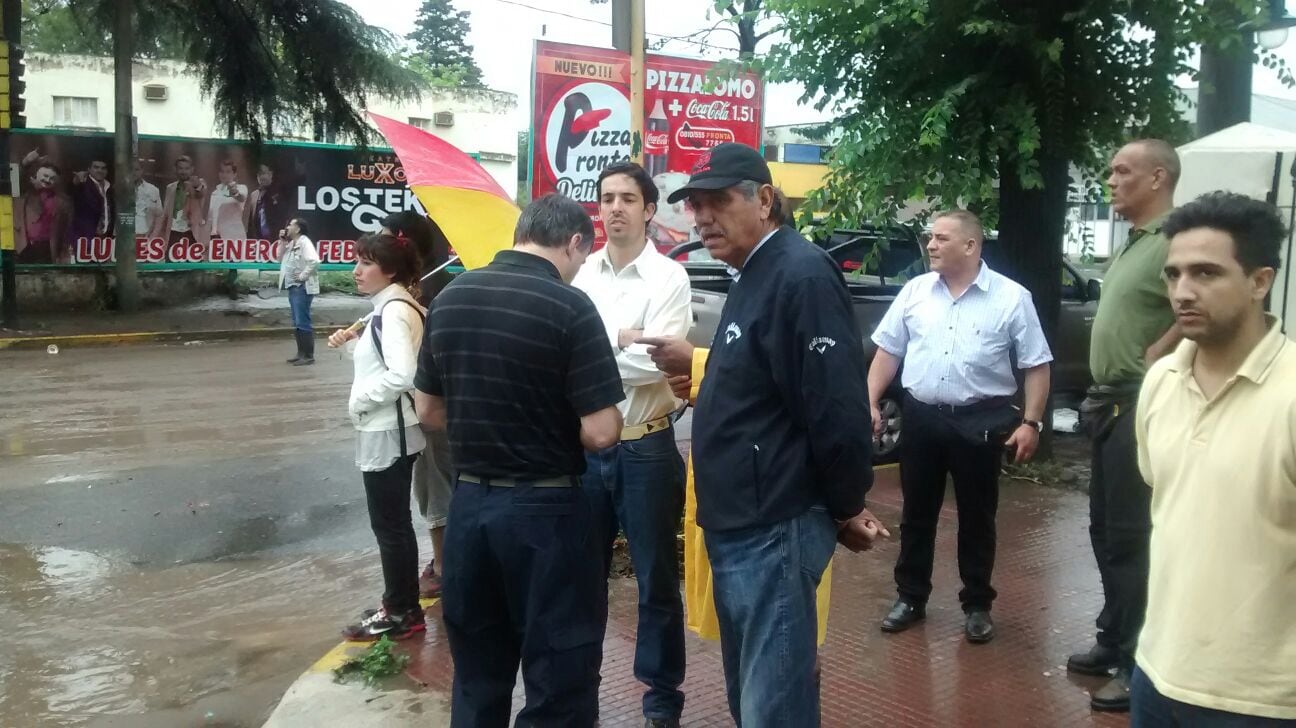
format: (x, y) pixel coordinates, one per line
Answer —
(439, 268)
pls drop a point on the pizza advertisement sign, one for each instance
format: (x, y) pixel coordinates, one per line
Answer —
(581, 124)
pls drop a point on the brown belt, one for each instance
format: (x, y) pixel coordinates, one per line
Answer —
(638, 432)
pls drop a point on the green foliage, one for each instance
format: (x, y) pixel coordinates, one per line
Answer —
(376, 663)
(263, 62)
(340, 281)
(939, 101)
(50, 26)
(443, 55)
(442, 77)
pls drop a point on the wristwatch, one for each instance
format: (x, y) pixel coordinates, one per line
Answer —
(1039, 426)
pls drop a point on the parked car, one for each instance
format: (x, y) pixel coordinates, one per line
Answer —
(873, 287)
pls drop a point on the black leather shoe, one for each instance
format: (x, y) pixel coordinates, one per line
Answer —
(1099, 661)
(902, 616)
(662, 723)
(978, 628)
(1114, 697)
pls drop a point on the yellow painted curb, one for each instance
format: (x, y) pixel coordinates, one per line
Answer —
(347, 650)
(139, 337)
(83, 339)
(336, 656)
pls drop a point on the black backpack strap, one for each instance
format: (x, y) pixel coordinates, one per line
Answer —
(375, 323)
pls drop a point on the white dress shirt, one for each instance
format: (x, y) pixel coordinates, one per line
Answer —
(106, 217)
(956, 350)
(148, 208)
(651, 293)
(226, 212)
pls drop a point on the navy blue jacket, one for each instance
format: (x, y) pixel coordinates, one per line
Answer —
(782, 420)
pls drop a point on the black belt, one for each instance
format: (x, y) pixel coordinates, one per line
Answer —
(955, 409)
(565, 481)
(1114, 392)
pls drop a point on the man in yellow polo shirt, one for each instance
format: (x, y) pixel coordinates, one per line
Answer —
(1216, 429)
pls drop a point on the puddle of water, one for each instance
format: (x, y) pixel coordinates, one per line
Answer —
(90, 639)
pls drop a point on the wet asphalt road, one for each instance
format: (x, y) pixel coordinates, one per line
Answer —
(182, 531)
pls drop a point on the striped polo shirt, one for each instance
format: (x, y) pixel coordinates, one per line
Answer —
(519, 358)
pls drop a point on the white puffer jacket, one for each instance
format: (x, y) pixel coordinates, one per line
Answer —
(378, 386)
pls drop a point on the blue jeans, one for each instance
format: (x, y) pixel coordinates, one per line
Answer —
(1151, 709)
(765, 579)
(523, 583)
(299, 302)
(638, 487)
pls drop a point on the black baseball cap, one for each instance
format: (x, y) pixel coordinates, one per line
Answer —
(724, 166)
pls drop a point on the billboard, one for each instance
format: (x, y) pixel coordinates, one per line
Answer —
(213, 202)
(581, 123)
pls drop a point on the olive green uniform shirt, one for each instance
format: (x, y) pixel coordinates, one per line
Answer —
(1134, 310)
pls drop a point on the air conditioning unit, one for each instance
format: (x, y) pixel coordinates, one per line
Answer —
(155, 92)
(443, 118)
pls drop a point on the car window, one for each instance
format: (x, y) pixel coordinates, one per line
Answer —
(1070, 285)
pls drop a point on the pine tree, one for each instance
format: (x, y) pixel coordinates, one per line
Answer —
(441, 44)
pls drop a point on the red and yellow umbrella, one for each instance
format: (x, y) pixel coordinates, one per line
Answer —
(474, 212)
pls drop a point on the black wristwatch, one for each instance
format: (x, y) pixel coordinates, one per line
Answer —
(1039, 426)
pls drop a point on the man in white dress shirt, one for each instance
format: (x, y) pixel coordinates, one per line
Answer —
(637, 485)
(955, 329)
(148, 202)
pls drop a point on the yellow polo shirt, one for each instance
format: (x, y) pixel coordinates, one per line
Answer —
(1220, 630)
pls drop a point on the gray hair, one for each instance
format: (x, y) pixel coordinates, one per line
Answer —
(551, 221)
(778, 210)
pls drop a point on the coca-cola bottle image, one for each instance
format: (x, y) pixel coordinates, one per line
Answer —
(656, 140)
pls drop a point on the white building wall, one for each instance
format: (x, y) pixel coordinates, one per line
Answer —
(481, 116)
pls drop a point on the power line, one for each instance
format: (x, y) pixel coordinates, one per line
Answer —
(607, 24)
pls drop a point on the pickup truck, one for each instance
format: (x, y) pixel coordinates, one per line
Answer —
(872, 291)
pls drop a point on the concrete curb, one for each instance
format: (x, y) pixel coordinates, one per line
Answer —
(149, 337)
(315, 699)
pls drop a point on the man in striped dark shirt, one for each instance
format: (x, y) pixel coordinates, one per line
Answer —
(516, 367)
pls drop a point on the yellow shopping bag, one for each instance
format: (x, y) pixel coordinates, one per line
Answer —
(699, 601)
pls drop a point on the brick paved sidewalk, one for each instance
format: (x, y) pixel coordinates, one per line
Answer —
(929, 676)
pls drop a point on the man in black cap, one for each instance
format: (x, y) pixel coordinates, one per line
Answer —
(781, 436)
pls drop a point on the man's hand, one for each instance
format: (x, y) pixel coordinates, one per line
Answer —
(875, 413)
(626, 337)
(859, 533)
(681, 386)
(671, 354)
(1024, 441)
(80, 177)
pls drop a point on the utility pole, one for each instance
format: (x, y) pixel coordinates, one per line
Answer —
(11, 117)
(124, 156)
(1224, 92)
(628, 35)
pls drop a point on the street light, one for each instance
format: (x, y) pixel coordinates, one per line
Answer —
(1272, 33)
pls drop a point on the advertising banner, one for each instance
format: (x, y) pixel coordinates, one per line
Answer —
(198, 201)
(581, 123)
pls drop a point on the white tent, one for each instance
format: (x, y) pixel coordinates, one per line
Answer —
(1258, 162)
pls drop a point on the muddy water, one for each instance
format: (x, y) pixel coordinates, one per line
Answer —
(90, 638)
(182, 532)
